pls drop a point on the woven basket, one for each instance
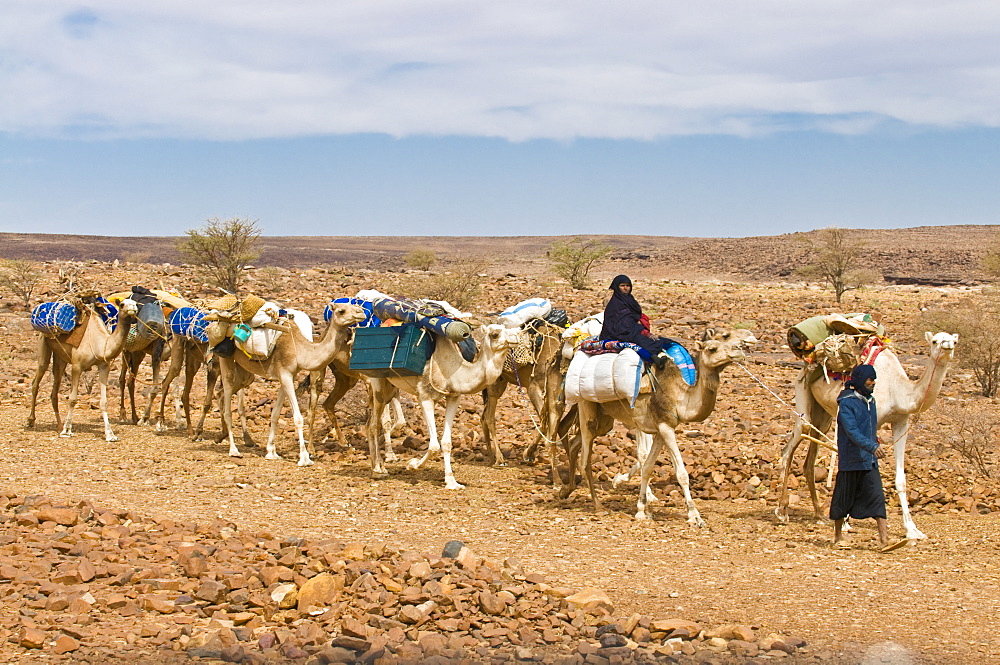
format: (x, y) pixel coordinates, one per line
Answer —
(250, 306)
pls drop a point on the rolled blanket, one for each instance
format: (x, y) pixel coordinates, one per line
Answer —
(387, 308)
(593, 347)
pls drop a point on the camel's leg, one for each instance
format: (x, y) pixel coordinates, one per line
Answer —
(900, 432)
(433, 445)
(241, 408)
(488, 419)
(392, 419)
(341, 384)
(573, 446)
(58, 369)
(74, 386)
(381, 391)
(173, 371)
(588, 418)
(288, 381)
(315, 388)
(670, 439)
(154, 387)
(451, 408)
(103, 371)
(44, 357)
(647, 450)
(279, 401)
(536, 395)
(643, 446)
(809, 470)
(122, 388)
(226, 408)
(213, 374)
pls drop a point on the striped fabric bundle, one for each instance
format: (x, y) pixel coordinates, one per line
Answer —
(189, 322)
(53, 318)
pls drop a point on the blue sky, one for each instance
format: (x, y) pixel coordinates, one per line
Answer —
(516, 118)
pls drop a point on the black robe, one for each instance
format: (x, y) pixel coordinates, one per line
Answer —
(621, 322)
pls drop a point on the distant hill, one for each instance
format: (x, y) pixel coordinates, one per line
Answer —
(927, 254)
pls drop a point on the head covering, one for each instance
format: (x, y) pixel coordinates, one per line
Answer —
(618, 281)
(859, 375)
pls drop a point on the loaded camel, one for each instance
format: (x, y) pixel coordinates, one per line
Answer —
(448, 376)
(190, 354)
(292, 353)
(542, 380)
(897, 398)
(157, 350)
(93, 346)
(658, 413)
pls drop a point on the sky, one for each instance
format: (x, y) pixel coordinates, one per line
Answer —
(524, 117)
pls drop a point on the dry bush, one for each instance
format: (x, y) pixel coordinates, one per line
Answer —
(832, 256)
(459, 285)
(20, 278)
(972, 435)
(976, 321)
(572, 259)
(223, 248)
(420, 259)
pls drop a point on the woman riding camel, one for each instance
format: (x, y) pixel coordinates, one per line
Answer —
(625, 322)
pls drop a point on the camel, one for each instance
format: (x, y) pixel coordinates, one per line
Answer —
(658, 413)
(897, 398)
(292, 353)
(190, 354)
(542, 380)
(448, 376)
(94, 346)
(157, 350)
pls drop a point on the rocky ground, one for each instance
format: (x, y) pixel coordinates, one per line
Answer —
(161, 549)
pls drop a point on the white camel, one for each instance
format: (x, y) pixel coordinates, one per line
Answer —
(448, 376)
(542, 381)
(658, 413)
(292, 353)
(93, 346)
(897, 398)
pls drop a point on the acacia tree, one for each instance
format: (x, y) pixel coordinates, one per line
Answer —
(572, 259)
(223, 248)
(833, 254)
(991, 260)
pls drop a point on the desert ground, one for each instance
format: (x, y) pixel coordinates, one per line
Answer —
(744, 588)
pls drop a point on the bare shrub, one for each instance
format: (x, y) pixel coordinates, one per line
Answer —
(223, 248)
(420, 259)
(976, 321)
(459, 285)
(20, 278)
(572, 259)
(273, 281)
(974, 427)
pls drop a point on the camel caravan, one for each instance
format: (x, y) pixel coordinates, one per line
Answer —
(577, 379)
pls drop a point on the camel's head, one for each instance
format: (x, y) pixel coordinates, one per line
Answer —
(942, 344)
(130, 307)
(499, 338)
(345, 314)
(721, 347)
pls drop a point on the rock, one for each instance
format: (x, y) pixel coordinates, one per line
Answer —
(671, 625)
(590, 599)
(285, 596)
(65, 644)
(63, 516)
(452, 548)
(31, 638)
(731, 632)
(609, 640)
(491, 603)
(337, 655)
(234, 653)
(467, 559)
(212, 591)
(352, 643)
(320, 591)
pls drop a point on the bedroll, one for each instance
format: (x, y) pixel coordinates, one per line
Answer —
(53, 318)
(189, 322)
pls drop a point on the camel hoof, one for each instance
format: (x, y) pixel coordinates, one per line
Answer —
(235, 454)
(500, 464)
(305, 462)
(619, 479)
(66, 434)
(413, 464)
(380, 475)
(111, 439)
(454, 485)
(698, 523)
(641, 516)
(272, 456)
(30, 423)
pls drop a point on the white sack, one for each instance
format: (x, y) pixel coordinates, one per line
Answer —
(268, 313)
(303, 321)
(260, 343)
(524, 311)
(604, 378)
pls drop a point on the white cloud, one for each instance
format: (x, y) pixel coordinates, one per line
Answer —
(519, 69)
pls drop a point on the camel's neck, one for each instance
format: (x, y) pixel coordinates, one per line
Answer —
(451, 373)
(108, 345)
(316, 355)
(918, 396)
(697, 402)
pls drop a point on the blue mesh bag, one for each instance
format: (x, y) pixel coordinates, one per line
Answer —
(189, 322)
(371, 321)
(53, 318)
(683, 360)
